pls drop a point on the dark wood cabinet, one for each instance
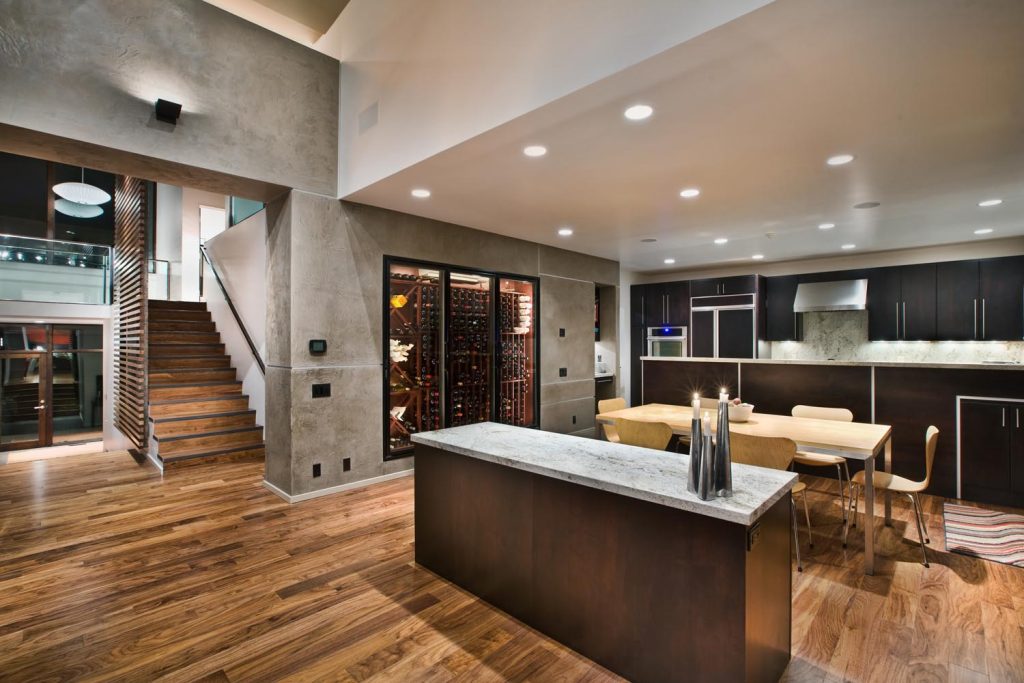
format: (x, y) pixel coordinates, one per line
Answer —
(917, 294)
(956, 301)
(884, 304)
(781, 323)
(702, 334)
(737, 284)
(654, 305)
(1001, 285)
(666, 304)
(736, 333)
(992, 452)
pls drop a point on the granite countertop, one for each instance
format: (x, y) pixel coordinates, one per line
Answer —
(641, 473)
(863, 363)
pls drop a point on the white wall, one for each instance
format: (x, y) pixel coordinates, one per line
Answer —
(191, 201)
(168, 235)
(443, 71)
(240, 254)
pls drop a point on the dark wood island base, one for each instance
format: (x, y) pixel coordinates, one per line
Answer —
(651, 592)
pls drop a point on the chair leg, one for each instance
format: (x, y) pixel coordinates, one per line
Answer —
(920, 517)
(842, 496)
(796, 536)
(807, 513)
(855, 495)
(920, 528)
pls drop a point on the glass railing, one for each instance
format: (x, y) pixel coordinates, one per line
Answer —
(159, 279)
(33, 269)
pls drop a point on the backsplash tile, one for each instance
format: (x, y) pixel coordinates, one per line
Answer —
(843, 335)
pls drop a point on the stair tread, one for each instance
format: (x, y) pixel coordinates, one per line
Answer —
(197, 399)
(177, 457)
(214, 432)
(214, 383)
(200, 416)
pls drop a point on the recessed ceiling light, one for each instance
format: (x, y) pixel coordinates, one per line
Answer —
(535, 150)
(565, 232)
(722, 240)
(669, 261)
(689, 193)
(757, 257)
(420, 193)
(648, 240)
(991, 202)
(983, 231)
(638, 112)
(826, 226)
(839, 159)
(848, 246)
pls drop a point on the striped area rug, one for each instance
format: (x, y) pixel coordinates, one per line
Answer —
(990, 535)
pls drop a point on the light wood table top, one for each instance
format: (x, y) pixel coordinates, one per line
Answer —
(857, 440)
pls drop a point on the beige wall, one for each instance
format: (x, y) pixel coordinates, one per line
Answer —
(325, 281)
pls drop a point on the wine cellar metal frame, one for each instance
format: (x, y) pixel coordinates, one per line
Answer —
(447, 269)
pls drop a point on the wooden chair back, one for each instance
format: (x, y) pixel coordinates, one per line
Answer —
(655, 435)
(820, 413)
(774, 452)
(608, 405)
(931, 440)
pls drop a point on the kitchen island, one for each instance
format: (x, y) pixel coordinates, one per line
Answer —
(600, 546)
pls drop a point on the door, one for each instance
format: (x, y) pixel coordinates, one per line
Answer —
(677, 304)
(517, 332)
(470, 348)
(985, 464)
(706, 287)
(782, 323)
(24, 414)
(739, 284)
(956, 301)
(655, 306)
(702, 334)
(736, 333)
(884, 304)
(1002, 299)
(1017, 456)
(917, 302)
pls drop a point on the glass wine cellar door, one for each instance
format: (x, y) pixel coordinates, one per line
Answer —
(461, 349)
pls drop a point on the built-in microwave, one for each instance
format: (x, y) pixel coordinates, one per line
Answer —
(666, 342)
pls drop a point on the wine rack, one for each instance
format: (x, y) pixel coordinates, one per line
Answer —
(469, 355)
(516, 323)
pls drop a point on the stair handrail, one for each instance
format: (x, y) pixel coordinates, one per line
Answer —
(234, 311)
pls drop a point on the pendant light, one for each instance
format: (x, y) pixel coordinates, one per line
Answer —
(82, 193)
(69, 208)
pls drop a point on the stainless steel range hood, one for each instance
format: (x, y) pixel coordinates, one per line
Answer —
(845, 295)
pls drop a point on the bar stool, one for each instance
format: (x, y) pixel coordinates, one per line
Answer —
(656, 435)
(775, 453)
(811, 459)
(606, 406)
(885, 481)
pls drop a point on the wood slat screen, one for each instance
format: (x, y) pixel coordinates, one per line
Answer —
(130, 293)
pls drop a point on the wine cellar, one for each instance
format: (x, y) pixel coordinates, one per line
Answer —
(461, 349)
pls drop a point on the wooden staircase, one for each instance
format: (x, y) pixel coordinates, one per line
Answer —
(197, 411)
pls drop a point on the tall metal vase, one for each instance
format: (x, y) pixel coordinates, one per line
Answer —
(696, 452)
(723, 456)
(706, 476)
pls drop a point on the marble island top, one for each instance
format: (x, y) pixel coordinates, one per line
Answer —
(865, 363)
(641, 473)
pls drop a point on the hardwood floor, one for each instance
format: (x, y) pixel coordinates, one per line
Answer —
(108, 572)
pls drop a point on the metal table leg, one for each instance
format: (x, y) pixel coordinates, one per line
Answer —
(869, 516)
(888, 468)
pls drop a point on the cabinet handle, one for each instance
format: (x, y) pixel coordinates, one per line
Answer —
(897, 319)
(983, 318)
(1004, 416)
(975, 318)
(904, 319)
(1016, 412)
(664, 309)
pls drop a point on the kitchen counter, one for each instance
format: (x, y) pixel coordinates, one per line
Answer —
(844, 363)
(600, 547)
(603, 375)
(649, 475)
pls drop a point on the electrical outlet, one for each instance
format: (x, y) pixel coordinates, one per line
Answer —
(346, 464)
(316, 470)
(561, 331)
(574, 419)
(321, 390)
(598, 358)
(563, 372)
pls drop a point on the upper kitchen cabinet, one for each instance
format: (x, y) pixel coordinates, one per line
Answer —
(781, 323)
(957, 312)
(738, 284)
(901, 303)
(1001, 305)
(666, 304)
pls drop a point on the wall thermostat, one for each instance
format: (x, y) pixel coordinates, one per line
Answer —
(317, 346)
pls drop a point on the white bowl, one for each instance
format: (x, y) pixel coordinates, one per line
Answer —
(740, 413)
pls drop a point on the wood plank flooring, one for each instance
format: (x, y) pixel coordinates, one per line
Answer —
(110, 572)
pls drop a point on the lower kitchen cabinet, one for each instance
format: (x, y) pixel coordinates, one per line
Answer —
(992, 452)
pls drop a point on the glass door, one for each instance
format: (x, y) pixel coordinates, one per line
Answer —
(23, 405)
(516, 354)
(470, 348)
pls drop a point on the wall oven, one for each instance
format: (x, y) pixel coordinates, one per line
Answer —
(666, 342)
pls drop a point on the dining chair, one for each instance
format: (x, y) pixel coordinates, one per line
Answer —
(606, 406)
(655, 435)
(811, 459)
(777, 453)
(886, 481)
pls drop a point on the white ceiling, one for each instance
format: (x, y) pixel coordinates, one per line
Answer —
(928, 94)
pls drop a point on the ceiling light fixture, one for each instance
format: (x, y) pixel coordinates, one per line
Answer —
(81, 192)
(565, 232)
(669, 261)
(689, 193)
(420, 193)
(826, 226)
(722, 240)
(638, 112)
(535, 150)
(990, 202)
(839, 159)
(167, 111)
(757, 257)
(983, 231)
(847, 247)
(69, 208)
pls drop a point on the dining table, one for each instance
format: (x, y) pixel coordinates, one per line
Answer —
(860, 441)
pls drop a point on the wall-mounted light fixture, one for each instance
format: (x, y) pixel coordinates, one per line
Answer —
(168, 111)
